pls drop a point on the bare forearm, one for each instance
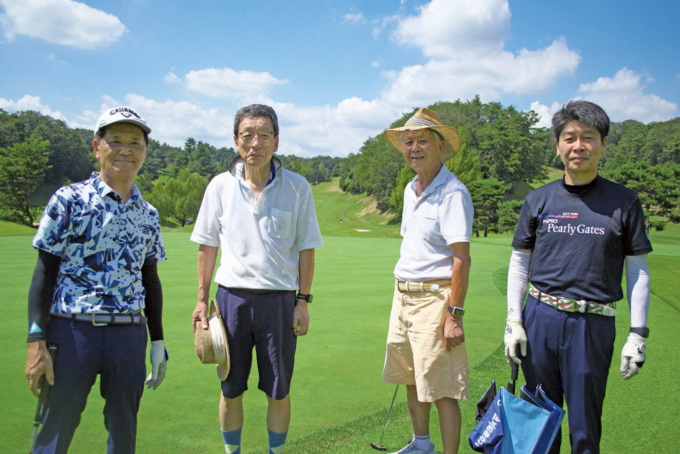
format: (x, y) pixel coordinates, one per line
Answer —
(460, 275)
(306, 270)
(207, 257)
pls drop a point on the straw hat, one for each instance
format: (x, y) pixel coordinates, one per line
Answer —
(427, 119)
(211, 344)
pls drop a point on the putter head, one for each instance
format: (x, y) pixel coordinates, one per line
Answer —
(378, 447)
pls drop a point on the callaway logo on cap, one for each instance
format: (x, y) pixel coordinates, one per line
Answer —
(121, 114)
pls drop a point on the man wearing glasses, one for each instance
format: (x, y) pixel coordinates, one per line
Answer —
(263, 217)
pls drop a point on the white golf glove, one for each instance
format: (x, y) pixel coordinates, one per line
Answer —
(632, 355)
(159, 363)
(514, 334)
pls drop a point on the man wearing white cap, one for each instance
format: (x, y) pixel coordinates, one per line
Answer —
(95, 289)
(426, 344)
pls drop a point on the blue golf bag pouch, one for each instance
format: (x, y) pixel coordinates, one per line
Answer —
(513, 425)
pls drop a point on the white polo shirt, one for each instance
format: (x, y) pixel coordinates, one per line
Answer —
(261, 238)
(441, 216)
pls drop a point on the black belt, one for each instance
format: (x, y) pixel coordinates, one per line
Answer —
(130, 318)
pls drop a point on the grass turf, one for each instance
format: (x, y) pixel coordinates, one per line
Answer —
(339, 402)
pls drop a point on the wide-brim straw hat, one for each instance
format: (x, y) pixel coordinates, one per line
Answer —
(211, 344)
(427, 119)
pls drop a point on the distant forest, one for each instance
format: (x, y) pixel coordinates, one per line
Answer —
(503, 152)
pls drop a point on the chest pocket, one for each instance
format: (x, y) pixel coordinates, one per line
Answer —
(428, 224)
(279, 226)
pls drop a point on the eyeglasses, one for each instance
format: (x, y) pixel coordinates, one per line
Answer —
(262, 137)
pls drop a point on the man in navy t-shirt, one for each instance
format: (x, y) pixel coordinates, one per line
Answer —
(572, 239)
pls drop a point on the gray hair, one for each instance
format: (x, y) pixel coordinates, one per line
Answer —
(256, 111)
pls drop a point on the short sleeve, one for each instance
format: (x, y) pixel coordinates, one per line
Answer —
(455, 215)
(155, 251)
(636, 240)
(308, 235)
(55, 225)
(207, 226)
(525, 234)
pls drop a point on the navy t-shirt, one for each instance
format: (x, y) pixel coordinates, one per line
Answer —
(580, 236)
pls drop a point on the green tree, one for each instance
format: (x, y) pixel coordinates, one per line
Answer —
(404, 177)
(22, 169)
(179, 198)
(486, 194)
(201, 162)
(657, 186)
(510, 149)
(508, 215)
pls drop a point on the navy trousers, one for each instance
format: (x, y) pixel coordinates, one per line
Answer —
(569, 354)
(117, 353)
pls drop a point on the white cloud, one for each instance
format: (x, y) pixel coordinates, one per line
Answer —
(353, 18)
(29, 102)
(171, 79)
(243, 86)
(380, 25)
(623, 98)
(53, 58)
(465, 41)
(331, 130)
(375, 64)
(545, 113)
(65, 22)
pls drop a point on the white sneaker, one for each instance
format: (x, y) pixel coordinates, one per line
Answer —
(411, 449)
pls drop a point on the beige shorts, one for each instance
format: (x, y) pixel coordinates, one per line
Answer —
(416, 353)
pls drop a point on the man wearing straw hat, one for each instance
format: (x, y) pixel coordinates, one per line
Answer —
(426, 343)
(263, 218)
(572, 240)
(95, 290)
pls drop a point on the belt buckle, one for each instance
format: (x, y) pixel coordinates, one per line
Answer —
(583, 306)
(94, 321)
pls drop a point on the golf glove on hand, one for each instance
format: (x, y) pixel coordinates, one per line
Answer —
(159, 363)
(514, 334)
(632, 355)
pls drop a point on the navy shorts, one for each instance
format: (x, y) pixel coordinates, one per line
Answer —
(263, 321)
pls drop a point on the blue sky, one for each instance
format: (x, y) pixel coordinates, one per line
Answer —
(337, 72)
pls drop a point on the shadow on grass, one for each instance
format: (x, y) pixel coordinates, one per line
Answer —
(493, 367)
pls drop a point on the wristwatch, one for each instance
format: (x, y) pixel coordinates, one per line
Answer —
(644, 332)
(307, 298)
(456, 311)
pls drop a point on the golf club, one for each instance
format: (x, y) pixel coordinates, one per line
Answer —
(380, 446)
(42, 400)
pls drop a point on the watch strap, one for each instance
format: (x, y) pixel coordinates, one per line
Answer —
(307, 298)
(644, 332)
(456, 311)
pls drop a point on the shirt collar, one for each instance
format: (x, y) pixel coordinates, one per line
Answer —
(104, 189)
(236, 168)
(439, 180)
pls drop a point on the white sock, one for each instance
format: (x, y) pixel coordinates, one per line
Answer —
(423, 442)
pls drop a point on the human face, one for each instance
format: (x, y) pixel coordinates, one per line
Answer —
(255, 141)
(421, 151)
(580, 147)
(121, 151)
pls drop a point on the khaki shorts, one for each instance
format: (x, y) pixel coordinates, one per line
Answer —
(416, 354)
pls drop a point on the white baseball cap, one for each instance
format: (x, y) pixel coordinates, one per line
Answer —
(121, 114)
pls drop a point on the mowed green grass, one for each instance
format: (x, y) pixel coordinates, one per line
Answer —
(339, 401)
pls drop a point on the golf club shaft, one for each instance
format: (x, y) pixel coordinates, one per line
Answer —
(389, 413)
(42, 399)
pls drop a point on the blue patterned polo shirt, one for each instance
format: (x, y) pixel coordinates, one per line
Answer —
(103, 244)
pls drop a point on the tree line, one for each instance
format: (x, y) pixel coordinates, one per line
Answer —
(503, 151)
(39, 154)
